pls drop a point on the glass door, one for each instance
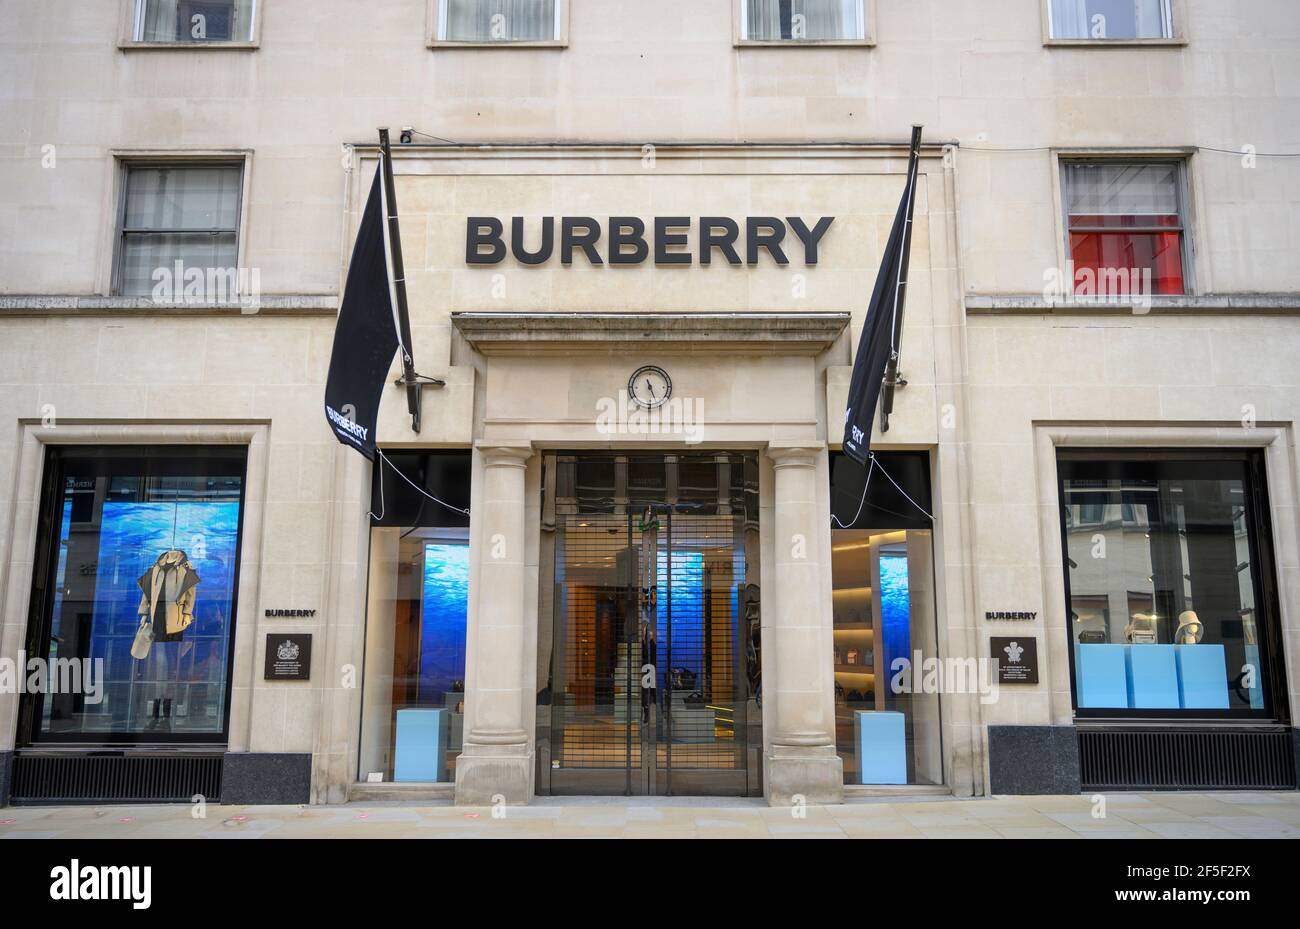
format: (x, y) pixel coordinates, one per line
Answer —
(651, 679)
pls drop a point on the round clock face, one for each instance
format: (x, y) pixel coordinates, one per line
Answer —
(649, 387)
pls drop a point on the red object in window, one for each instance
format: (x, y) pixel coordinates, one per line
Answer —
(1109, 263)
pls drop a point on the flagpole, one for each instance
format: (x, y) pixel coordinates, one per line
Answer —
(892, 380)
(410, 380)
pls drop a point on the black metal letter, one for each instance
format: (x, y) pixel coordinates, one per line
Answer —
(664, 239)
(476, 238)
(770, 240)
(725, 241)
(810, 238)
(635, 238)
(585, 240)
(517, 241)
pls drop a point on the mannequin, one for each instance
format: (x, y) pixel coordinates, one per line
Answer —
(167, 593)
(1190, 629)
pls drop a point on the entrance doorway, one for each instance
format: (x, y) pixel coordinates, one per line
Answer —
(652, 662)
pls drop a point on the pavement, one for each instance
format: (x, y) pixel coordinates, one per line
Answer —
(1116, 815)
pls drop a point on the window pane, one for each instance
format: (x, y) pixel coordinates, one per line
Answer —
(413, 703)
(500, 21)
(147, 253)
(1162, 585)
(153, 545)
(808, 20)
(1130, 263)
(194, 20)
(183, 197)
(1110, 19)
(1145, 188)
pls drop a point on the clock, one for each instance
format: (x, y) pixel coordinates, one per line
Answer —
(649, 387)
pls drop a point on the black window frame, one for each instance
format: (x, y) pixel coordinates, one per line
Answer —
(45, 575)
(1264, 581)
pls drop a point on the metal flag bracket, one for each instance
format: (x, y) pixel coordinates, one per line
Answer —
(414, 384)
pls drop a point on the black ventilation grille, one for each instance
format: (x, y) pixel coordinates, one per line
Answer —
(1186, 759)
(124, 778)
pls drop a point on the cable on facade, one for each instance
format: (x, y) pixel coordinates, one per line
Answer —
(384, 460)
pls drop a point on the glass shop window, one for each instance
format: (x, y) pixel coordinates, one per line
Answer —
(413, 697)
(194, 21)
(885, 636)
(134, 595)
(1126, 227)
(494, 21)
(1113, 20)
(1170, 589)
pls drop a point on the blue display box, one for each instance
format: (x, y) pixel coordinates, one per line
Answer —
(1152, 675)
(1202, 677)
(880, 740)
(1101, 675)
(421, 744)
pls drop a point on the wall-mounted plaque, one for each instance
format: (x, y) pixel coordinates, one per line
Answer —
(1017, 658)
(288, 656)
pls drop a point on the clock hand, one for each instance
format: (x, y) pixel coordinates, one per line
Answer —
(651, 387)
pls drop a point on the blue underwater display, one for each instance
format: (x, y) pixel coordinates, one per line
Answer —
(686, 593)
(442, 619)
(895, 615)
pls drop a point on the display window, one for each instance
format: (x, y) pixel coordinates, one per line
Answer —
(133, 606)
(884, 628)
(413, 699)
(1170, 584)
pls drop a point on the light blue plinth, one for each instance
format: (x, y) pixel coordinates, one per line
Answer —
(1152, 672)
(421, 745)
(1101, 675)
(1202, 677)
(880, 739)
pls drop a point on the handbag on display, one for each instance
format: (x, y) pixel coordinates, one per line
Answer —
(681, 679)
(694, 699)
(143, 640)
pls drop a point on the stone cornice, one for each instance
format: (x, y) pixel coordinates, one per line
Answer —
(786, 333)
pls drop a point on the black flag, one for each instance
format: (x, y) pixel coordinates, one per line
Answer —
(365, 337)
(877, 348)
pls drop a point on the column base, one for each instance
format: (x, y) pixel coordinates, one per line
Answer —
(490, 774)
(805, 774)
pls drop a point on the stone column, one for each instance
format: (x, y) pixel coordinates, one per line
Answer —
(497, 755)
(802, 761)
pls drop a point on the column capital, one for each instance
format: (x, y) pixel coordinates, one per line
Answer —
(794, 456)
(505, 454)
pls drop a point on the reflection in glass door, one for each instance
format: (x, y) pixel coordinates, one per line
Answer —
(651, 683)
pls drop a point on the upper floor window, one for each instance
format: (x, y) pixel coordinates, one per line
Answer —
(179, 223)
(802, 21)
(1115, 20)
(1125, 226)
(198, 21)
(497, 21)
